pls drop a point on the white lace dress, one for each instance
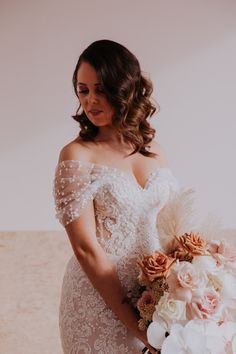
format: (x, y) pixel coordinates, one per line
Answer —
(126, 219)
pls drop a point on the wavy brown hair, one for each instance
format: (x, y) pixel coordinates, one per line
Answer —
(126, 89)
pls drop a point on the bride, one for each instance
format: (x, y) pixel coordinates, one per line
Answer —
(110, 184)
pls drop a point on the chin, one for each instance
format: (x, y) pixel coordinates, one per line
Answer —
(101, 124)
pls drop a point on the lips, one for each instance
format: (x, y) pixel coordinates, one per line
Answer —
(95, 111)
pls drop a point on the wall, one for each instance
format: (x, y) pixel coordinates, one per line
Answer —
(186, 47)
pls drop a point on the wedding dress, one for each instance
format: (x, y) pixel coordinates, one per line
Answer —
(126, 221)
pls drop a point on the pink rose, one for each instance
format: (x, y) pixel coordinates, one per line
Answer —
(206, 307)
(212, 247)
(227, 251)
(224, 254)
(184, 280)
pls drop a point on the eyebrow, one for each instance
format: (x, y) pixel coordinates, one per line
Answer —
(82, 83)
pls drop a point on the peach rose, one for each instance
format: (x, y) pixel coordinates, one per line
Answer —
(184, 280)
(182, 254)
(207, 307)
(193, 244)
(155, 266)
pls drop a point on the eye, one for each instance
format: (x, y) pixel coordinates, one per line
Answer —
(83, 91)
(100, 91)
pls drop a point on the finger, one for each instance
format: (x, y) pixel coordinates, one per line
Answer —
(152, 350)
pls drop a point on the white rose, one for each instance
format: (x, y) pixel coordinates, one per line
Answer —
(216, 282)
(170, 309)
(230, 309)
(206, 264)
(229, 286)
(224, 283)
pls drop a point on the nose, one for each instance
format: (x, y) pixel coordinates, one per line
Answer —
(92, 98)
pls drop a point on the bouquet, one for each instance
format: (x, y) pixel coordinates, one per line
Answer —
(187, 297)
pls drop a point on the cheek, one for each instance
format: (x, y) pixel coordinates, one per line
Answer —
(108, 107)
(82, 101)
(105, 103)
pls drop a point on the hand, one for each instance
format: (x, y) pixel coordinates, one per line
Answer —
(143, 338)
(149, 350)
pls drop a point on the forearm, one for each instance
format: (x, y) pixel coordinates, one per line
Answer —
(103, 275)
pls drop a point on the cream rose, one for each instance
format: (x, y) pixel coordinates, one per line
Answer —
(171, 309)
(205, 263)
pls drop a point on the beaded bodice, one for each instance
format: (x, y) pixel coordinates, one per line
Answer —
(125, 212)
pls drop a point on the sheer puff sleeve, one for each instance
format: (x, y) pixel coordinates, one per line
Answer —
(75, 185)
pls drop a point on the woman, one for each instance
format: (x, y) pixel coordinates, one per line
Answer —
(110, 183)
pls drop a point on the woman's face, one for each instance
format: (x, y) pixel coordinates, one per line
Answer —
(92, 97)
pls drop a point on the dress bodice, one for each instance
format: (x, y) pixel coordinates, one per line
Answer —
(125, 212)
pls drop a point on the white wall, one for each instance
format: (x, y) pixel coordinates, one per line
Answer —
(188, 49)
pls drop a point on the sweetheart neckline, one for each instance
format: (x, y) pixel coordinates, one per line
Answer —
(143, 188)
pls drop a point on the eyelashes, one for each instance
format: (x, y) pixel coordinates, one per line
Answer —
(86, 91)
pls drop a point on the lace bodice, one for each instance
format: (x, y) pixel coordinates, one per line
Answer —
(125, 212)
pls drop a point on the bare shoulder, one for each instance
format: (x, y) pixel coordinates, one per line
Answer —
(75, 150)
(159, 149)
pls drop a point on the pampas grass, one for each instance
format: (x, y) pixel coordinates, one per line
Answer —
(178, 216)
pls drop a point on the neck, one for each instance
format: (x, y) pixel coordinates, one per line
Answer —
(108, 136)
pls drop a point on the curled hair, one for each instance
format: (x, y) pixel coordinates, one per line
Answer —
(126, 89)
